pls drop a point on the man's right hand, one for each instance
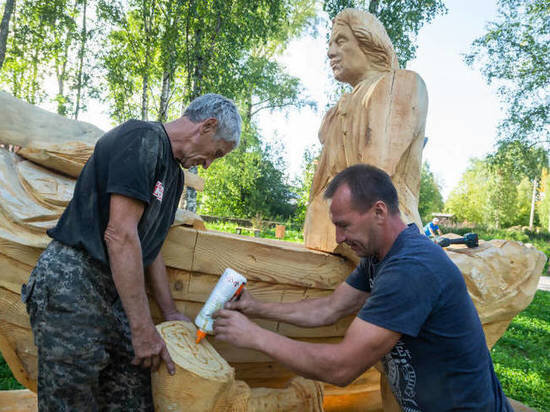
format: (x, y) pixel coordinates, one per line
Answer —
(245, 304)
(150, 349)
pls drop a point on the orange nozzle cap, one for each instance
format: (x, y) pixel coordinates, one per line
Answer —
(200, 335)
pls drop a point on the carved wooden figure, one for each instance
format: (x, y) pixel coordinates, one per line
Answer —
(380, 122)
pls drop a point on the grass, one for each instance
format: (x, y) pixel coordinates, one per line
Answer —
(521, 357)
(291, 235)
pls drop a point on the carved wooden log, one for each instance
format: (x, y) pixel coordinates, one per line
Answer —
(202, 375)
(204, 381)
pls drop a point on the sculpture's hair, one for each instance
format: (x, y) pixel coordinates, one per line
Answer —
(368, 185)
(223, 110)
(372, 37)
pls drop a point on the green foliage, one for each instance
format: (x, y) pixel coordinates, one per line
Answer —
(491, 195)
(303, 185)
(430, 199)
(49, 39)
(291, 234)
(402, 19)
(544, 204)
(247, 182)
(521, 356)
(515, 55)
(467, 200)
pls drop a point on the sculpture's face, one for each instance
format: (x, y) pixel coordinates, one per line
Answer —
(348, 62)
(359, 230)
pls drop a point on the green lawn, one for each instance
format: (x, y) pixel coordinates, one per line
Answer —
(522, 355)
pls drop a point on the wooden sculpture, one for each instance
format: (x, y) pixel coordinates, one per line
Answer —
(380, 122)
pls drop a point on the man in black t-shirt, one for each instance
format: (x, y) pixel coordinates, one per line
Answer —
(413, 310)
(86, 296)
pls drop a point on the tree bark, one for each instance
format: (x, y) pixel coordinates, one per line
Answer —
(533, 199)
(4, 29)
(82, 51)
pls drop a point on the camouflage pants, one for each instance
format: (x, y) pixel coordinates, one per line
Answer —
(83, 336)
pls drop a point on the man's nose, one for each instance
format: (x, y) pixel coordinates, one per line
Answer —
(207, 164)
(340, 236)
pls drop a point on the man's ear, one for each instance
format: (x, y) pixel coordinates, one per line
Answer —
(380, 209)
(209, 125)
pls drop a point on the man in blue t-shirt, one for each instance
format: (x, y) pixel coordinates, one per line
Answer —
(413, 310)
(432, 228)
(86, 296)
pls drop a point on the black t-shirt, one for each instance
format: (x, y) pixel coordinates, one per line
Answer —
(441, 363)
(134, 159)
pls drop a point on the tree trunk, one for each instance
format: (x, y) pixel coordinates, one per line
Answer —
(82, 51)
(373, 7)
(191, 195)
(163, 107)
(533, 198)
(5, 28)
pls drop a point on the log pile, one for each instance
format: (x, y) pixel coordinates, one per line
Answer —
(501, 275)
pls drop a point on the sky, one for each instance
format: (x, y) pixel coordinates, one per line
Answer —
(463, 110)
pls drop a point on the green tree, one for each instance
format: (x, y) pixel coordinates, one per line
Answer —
(515, 55)
(4, 28)
(544, 204)
(303, 184)
(430, 198)
(247, 183)
(520, 160)
(402, 19)
(467, 201)
(499, 208)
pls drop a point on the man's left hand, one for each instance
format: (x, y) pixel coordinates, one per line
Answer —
(234, 327)
(176, 316)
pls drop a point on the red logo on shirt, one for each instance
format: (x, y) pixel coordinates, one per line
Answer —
(159, 191)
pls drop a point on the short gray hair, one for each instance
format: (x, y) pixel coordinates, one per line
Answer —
(220, 108)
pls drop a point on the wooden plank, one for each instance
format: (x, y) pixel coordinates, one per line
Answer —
(179, 247)
(193, 180)
(21, 400)
(257, 259)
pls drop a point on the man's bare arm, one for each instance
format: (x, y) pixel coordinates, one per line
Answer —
(363, 345)
(158, 280)
(345, 300)
(125, 258)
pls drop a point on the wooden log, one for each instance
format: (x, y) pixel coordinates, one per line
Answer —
(202, 375)
(257, 259)
(20, 400)
(204, 381)
(22, 123)
(47, 187)
(300, 395)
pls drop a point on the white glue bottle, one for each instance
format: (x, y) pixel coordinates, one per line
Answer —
(229, 286)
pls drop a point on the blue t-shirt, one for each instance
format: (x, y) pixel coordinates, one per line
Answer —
(441, 363)
(431, 225)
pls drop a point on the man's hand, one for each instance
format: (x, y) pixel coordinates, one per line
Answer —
(150, 349)
(245, 304)
(177, 316)
(235, 328)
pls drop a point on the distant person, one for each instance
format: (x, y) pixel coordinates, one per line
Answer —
(431, 228)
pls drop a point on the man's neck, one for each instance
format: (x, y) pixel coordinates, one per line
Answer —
(393, 230)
